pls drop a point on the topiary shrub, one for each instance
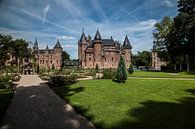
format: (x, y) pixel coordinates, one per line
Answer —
(121, 74)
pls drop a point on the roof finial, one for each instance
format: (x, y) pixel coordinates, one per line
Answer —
(82, 29)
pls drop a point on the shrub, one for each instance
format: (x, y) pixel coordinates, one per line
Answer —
(109, 74)
(5, 82)
(16, 77)
(130, 69)
(59, 80)
(121, 74)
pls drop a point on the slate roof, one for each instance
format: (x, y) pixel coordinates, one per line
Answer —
(126, 43)
(97, 35)
(58, 45)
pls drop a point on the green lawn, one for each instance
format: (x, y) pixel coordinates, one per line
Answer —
(5, 97)
(161, 74)
(136, 104)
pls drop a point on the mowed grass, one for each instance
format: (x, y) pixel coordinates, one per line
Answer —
(161, 74)
(5, 97)
(136, 104)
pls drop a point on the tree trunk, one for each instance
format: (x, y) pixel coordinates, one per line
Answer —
(188, 67)
(18, 65)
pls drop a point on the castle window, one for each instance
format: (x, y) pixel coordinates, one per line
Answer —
(89, 59)
(112, 59)
(57, 61)
(105, 58)
(51, 56)
(43, 61)
(50, 61)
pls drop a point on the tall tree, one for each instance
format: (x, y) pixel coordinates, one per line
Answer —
(162, 29)
(20, 51)
(121, 74)
(5, 48)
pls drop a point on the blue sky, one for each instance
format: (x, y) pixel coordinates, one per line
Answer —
(49, 20)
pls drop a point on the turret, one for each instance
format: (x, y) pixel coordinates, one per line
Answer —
(35, 47)
(97, 49)
(82, 45)
(58, 48)
(127, 51)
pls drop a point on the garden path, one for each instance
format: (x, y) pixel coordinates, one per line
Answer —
(36, 106)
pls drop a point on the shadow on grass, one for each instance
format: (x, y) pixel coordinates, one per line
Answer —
(162, 115)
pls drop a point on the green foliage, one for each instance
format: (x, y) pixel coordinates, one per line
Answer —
(96, 68)
(53, 67)
(5, 82)
(142, 59)
(59, 80)
(121, 74)
(109, 74)
(130, 70)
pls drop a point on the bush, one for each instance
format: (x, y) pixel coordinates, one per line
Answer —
(16, 77)
(109, 74)
(59, 80)
(130, 69)
(121, 74)
(5, 82)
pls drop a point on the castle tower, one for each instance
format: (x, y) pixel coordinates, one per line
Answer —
(97, 50)
(35, 47)
(127, 49)
(154, 57)
(82, 45)
(58, 54)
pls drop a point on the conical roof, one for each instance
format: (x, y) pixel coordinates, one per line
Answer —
(58, 45)
(97, 35)
(83, 38)
(126, 43)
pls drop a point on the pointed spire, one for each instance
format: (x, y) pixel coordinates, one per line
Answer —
(58, 45)
(36, 41)
(47, 48)
(126, 43)
(35, 47)
(83, 38)
(97, 35)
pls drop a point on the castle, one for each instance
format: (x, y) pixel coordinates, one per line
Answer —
(102, 52)
(156, 62)
(48, 58)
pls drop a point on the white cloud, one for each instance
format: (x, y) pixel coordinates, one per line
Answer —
(66, 37)
(50, 22)
(46, 9)
(168, 3)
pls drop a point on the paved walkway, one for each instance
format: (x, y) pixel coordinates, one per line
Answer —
(36, 106)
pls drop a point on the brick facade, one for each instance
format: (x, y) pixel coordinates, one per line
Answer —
(46, 58)
(102, 52)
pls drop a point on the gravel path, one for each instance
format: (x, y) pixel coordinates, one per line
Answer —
(36, 106)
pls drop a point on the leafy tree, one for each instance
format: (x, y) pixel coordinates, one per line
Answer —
(5, 48)
(21, 51)
(143, 58)
(121, 74)
(65, 56)
(160, 34)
